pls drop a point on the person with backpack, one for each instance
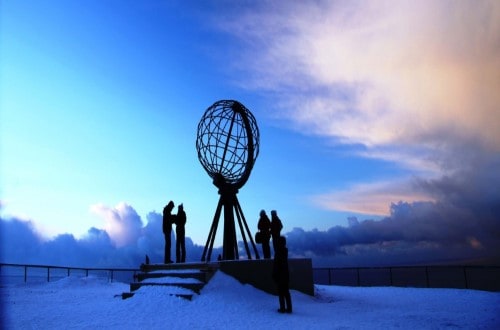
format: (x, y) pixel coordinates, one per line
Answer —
(264, 234)
(180, 232)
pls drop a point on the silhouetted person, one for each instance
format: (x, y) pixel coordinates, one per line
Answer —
(168, 219)
(264, 226)
(276, 227)
(180, 232)
(281, 275)
(147, 260)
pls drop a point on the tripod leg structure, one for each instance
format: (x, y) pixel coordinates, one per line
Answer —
(238, 209)
(242, 233)
(231, 206)
(211, 235)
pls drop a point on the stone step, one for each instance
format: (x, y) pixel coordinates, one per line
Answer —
(190, 277)
(193, 286)
(176, 266)
(187, 296)
(199, 275)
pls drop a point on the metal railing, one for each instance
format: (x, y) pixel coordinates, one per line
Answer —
(39, 271)
(466, 277)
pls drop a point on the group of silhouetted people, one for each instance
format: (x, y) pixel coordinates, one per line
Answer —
(271, 229)
(268, 229)
(179, 220)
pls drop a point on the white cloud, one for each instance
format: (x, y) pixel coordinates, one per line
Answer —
(122, 223)
(382, 72)
(372, 198)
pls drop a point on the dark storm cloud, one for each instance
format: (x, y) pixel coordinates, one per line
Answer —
(462, 225)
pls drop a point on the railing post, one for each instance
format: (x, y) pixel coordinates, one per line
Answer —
(465, 277)
(48, 274)
(111, 275)
(427, 276)
(25, 273)
(87, 272)
(68, 271)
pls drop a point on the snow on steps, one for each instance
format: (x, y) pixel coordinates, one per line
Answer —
(180, 280)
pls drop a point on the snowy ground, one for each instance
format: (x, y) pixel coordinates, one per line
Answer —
(90, 303)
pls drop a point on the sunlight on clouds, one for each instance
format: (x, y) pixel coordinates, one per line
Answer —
(389, 72)
(122, 223)
(474, 243)
(415, 83)
(371, 199)
(405, 158)
(415, 69)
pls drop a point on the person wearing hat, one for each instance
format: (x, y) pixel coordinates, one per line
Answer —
(180, 232)
(168, 219)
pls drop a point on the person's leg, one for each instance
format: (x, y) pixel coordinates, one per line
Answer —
(168, 247)
(177, 249)
(281, 296)
(282, 304)
(183, 249)
(266, 249)
(166, 258)
(288, 300)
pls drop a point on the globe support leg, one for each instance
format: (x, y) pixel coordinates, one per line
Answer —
(211, 235)
(240, 211)
(229, 245)
(231, 206)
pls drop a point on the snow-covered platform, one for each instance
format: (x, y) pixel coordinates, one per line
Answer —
(181, 280)
(186, 279)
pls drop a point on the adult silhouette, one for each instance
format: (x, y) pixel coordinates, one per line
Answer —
(276, 227)
(180, 232)
(281, 275)
(168, 219)
(264, 226)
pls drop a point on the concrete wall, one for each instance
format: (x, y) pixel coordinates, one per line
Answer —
(259, 274)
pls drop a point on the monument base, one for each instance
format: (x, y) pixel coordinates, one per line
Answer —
(258, 273)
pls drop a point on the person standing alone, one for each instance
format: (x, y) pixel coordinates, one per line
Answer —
(281, 275)
(168, 219)
(180, 232)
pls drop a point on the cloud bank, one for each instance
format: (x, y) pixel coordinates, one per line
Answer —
(123, 242)
(461, 226)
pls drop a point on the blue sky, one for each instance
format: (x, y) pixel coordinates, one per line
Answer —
(359, 105)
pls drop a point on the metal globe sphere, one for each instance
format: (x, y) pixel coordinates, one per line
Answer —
(228, 142)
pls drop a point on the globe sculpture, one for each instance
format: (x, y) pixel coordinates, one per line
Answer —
(228, 145)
